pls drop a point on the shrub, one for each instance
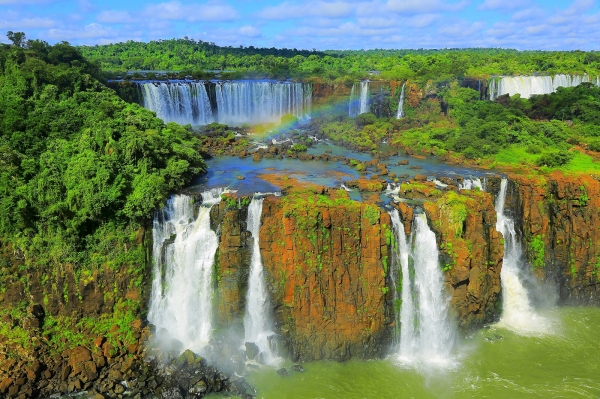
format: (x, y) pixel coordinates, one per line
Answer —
(554, 159)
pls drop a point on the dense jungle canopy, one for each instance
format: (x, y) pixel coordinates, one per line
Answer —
(196, 57)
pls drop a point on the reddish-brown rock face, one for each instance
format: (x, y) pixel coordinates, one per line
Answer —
(232, 263)
(326, 260)
(472, 252)
(560, 221)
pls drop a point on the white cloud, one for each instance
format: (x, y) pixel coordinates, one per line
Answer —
(462, 29)
(25, 2)
(86, 6)
(250, 31)
(528, 13)
(502, 4)
(323, 9)
(377, 22)
(424, 6)
(115, 17)
(91, 31)
(537, 29)
(579, 6)
(422, 20)
(20, 24)
(175, 10)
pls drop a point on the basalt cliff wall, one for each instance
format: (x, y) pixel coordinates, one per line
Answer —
(559, 219)
(327, 262)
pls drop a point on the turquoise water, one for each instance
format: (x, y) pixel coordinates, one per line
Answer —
(224, 171)
(493, 363)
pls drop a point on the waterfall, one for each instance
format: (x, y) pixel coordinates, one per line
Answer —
(182, 287)
(258, 102)
(257, 321)
(517, 313)
(470, 184)
(527, 86)
(402, 284)
(359, 103)
(427, 334)
(236, 102)
(400, 113)
(178, 102)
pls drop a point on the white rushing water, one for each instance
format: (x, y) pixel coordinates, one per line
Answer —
(527, 86)
(470, 184)
(258, 102)
(427, 333)
(359, 99)
(178, 102)
(400, 113)
(407, 311)
(237, 102)
(257, 320)
(517, 312)
(182, 288)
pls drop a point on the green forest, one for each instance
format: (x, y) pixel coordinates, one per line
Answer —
(81, 172)
(195, 58)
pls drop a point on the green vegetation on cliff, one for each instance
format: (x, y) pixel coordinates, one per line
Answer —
(81, 173)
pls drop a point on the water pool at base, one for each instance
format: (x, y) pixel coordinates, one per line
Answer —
(493, 363)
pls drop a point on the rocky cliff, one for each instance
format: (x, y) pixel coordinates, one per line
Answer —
(327, 262)
(559, 219)
(470, 247)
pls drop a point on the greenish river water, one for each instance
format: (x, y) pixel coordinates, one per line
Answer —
(493, 363)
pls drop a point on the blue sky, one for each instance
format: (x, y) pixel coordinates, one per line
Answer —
(338, 24)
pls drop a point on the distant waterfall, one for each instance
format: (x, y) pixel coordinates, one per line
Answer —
(517, 313)
(400, 113)
(359, 99)
(182, 287)
(527, 86)
(427, 333)
(257, 321)
(233, 103)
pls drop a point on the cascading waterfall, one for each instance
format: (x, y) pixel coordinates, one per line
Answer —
(470, 184)
(427, 334)
(182, 288)
(400, 113)
(257, 321)
(517, 312)
(527, 86)
(406, 315)
(257, 102)
(359, 103)
(178, 102)
(236, 102)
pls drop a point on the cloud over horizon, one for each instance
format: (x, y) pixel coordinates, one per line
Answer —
(320, 24)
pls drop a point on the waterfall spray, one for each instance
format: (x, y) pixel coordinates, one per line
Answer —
(359, 103)
(182, 288)
(257, 321)
(427, 333)
(400, 113)
(517, 312)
